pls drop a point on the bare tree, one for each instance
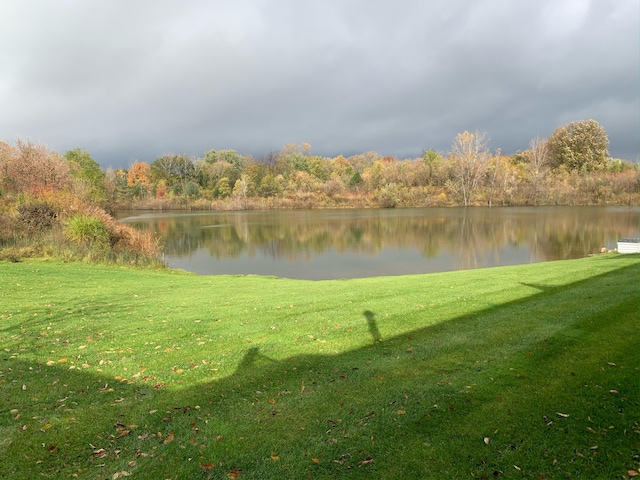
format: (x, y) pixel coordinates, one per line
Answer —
(538, 158)
(470, 156)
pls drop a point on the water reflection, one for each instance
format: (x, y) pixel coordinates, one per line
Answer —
(357, 243)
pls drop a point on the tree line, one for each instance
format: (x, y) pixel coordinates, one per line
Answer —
(570, 167)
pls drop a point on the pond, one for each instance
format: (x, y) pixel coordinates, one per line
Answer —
(330, 244)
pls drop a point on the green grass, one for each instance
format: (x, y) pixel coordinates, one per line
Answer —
(514, 372)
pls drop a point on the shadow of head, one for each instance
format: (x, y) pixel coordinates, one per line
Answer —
(373, 327)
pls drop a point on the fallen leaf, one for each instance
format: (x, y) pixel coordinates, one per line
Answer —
(235, 473)
(271, 400)
(275, 457)
(315, 460)
(633, 473)
(46, 426)
(563, 415)
(121, 475)
(63, 360)
(486, 440)
(100, 453)
(366, 461)
(207, 466)
(169, 438)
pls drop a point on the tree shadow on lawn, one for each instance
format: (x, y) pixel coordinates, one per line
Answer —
(474, 395)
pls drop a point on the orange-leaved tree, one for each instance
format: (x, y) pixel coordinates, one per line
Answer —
(139, 178)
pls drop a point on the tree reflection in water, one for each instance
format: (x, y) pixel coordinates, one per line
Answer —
(463, 238)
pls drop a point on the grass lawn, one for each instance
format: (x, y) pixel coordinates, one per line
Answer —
(527, 371)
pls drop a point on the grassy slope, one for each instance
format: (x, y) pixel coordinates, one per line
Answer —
(519, 372)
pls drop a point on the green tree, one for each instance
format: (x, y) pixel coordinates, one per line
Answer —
(355, 180)
(173, 169)
(223, 189)
(269, 186)
(223, 163)
(88, 175)
(579, 146)
(432, 160)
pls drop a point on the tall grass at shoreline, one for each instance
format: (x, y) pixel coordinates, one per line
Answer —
(526, 371)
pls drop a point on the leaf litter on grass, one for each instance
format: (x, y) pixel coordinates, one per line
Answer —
(238, 391)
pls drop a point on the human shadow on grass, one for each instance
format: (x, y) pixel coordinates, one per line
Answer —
(343, 409)
(373, 327)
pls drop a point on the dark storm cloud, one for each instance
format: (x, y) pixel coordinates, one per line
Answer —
(134, 79)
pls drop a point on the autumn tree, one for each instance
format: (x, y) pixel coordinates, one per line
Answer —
(223, 188)
(33, 167)
(222, 163)
(242, 188)
(470, 158)
(341, 168)
(579, 146)
(501, 179)
(293, 158)
(7, 153)
(139, 178)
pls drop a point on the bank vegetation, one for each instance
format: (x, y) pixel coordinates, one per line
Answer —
(63, 204)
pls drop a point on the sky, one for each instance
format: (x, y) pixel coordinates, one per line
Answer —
(130, 80)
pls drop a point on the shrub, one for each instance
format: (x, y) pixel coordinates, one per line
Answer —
(192, 190)
(388, 196)
(37, 216)
(83, 228)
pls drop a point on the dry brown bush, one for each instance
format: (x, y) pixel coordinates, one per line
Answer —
(32, 167)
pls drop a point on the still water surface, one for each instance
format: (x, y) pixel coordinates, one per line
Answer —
(329, 244)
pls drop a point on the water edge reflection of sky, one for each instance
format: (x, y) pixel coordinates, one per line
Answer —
(332, 265)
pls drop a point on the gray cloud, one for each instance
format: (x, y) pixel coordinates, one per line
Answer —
(132, 80)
